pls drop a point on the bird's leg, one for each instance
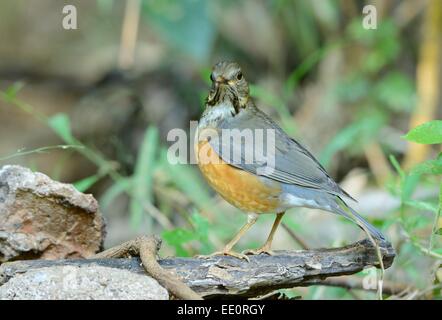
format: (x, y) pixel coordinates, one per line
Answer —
(227, 251)
(267, 247)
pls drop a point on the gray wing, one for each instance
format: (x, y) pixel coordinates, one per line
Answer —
(293, 164)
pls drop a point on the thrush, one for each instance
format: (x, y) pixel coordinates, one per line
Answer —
(294, 178)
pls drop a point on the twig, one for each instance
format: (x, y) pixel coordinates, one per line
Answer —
(381, 262)
(157, 215)
(124, 250)
(388, 288)
(147, 248)
(377, 162)
(129, 34)
(295, 237)
(24, 152)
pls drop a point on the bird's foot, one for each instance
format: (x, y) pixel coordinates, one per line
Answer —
(264, 249)
(225, 253)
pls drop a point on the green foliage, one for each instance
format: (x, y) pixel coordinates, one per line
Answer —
(422, 205)
(353, 88)
(178, 237)
(396, 91)
(86, 183)
(122, 186)
(384, 43)
(143, 176)
(426, 133)
(356, 135)
(372, 91)
(397, 166)
(429, 167)
(408, 182)
(61, 125)
(378, 95)
(11, 91)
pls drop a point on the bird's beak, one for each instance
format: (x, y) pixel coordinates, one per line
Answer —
(215, 90)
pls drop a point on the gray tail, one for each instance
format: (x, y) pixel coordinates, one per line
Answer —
(355, 217)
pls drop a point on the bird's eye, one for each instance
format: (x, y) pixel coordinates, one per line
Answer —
(212, 78)
(239, 76)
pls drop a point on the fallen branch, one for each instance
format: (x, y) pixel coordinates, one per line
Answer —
(228, 277)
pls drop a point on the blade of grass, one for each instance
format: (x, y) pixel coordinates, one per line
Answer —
(24, 152)
(143, 176)
(122, 186)
(86, 183)
(436, 220)
(306, 65)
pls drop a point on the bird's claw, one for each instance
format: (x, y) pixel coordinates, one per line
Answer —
(265, 250)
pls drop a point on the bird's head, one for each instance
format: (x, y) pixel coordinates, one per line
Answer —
(228, 83)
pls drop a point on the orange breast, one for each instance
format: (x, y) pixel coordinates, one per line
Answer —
(242, 189)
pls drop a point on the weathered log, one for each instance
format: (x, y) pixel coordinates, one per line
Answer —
(228, 277)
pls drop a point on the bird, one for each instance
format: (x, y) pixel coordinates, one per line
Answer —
(295, 178)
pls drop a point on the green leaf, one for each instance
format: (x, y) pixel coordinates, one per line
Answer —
(426, 133)
(143, 175)
(84, 184)
(421, 205)
(409, 184)
(202, 230)
(396, 166)
(177, 237)
(123, 185)
(416, 221)
(439, 232)
(382, 46)
(428, 167)
(201, 225)
(11, 91)
(61, 125)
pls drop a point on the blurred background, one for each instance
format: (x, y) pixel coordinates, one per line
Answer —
(93, 105)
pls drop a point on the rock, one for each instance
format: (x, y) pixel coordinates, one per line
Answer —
(82, 283)
(44, 219)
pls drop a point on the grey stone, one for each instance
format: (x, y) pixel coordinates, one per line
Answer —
(46, 219)
(82, 283)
